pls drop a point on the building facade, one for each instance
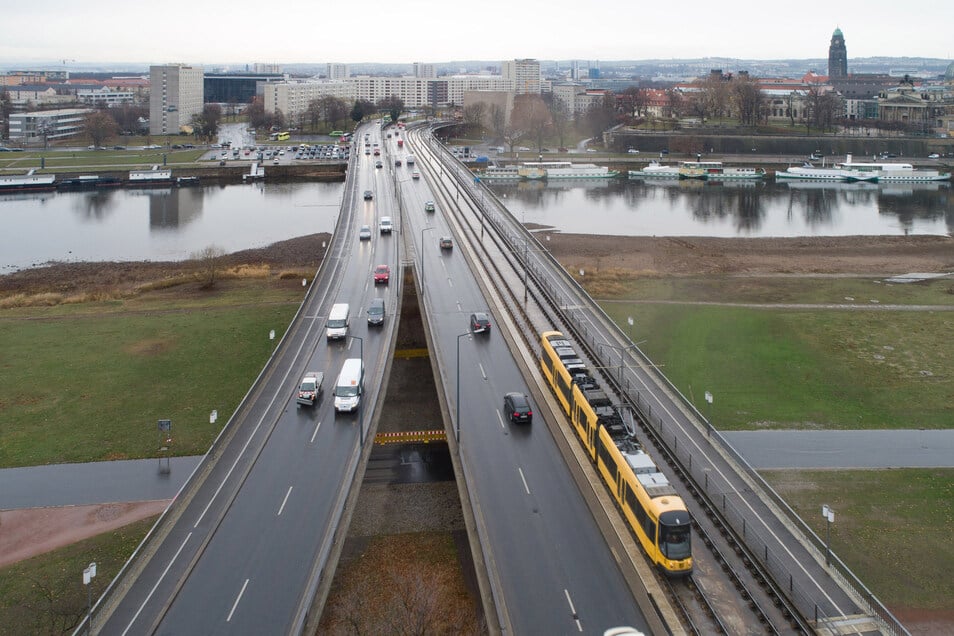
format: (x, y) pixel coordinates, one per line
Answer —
(176, 94)
(235, 88)
(524, 75)
(292, 98)
(338, 71)
(427, 71)
(38, 127)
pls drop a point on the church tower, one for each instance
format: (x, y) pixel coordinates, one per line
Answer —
(837, 56)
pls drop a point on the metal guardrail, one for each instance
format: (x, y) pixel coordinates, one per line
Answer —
(808, 604)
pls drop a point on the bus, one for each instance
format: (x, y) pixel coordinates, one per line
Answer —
(281, 136)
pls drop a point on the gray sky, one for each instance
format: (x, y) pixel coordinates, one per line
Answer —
(237, 32)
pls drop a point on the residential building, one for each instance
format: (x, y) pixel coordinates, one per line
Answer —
(427, 71)
(292, 98)
(176, 94)
(524, 75)
(338, 71)
(106, 97)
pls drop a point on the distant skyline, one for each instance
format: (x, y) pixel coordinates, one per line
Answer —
(243, 32)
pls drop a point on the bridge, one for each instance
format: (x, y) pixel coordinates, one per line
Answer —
(251, 542)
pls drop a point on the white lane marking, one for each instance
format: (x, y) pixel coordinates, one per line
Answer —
(284, 501)
(500, 418)
(315, 434)
(450, 282)
(482, 372)
(524, 480)
(459, 308)
(579, 626)
(154, 587)
(237, 599)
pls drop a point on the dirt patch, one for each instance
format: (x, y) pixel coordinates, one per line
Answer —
(148, 347)
(27, 533)
(863, 255)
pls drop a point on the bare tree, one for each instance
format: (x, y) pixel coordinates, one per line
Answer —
(100, 127)
(531, 115)
(498, 121)
(747, 99)
(474, 114)
(209, 263)
(559, 118)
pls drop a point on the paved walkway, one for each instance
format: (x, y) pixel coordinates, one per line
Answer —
(141, 480)
(845, 449)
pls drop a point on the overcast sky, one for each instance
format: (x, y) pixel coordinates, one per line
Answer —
(239, 32)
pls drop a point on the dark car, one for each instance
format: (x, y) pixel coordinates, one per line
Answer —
(517, 408)
(376, 312)
(368, 195)
(479, 322)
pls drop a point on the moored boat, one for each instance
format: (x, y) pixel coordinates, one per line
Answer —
(890, 172)
(509, 173)
(655, 170)
(568, 170)
(28, 181)
(88, 182)
(715, 171)
(809, 172)
(151, 177)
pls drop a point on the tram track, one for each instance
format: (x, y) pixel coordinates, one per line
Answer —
(717, 599)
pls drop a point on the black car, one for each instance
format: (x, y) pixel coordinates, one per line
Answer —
(479, 322)
(368, 195)
(517, 408)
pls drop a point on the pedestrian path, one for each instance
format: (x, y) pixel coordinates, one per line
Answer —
(142, 479)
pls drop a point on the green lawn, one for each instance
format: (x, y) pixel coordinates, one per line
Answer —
(62, 160)
(88, 382)
(803, 369)
(893, 527)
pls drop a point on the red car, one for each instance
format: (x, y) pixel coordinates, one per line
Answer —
(382, 274)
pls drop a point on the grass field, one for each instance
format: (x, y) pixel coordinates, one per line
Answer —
(92, 379)
(46, 595)
(786, 368)
(63, 160)
(893, 527)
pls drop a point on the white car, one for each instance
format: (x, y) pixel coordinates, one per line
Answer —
(364, 234)
(934, 155)
(633, 151)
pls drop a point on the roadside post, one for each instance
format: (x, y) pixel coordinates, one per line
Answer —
(165, 441)
(89, 573)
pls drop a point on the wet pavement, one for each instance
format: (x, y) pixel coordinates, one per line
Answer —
(845, 449)
(143, 480)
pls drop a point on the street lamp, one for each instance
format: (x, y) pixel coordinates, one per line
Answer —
(629, 320)
(622, 351)
(467, 333)
(360, 405)
(424, 229)
(829, 514)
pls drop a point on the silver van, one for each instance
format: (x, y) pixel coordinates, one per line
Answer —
(349, 386)
(337, 326)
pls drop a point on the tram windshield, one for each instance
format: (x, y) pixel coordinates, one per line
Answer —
(675, 542)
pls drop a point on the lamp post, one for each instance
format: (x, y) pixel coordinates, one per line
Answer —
(829, 514)
(423, 229)
(361, 388)
(457, 421)
(622, 351)
(629, 321)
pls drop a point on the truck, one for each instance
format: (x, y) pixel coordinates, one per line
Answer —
(309, 391)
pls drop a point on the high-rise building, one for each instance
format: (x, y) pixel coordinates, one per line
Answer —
(837, 56)
(175, 94)
(427, 71)
(338, 71)
(524, 75)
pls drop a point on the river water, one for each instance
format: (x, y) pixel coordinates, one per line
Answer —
(174, 223)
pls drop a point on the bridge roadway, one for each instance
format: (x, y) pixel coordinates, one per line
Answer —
(826, 596)
(249, 539)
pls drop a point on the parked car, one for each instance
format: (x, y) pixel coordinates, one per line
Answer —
(632, 151)
(480, 322)
(447, 243)
(364, 234)
(517, 408)
(934, 155)
(382, 274)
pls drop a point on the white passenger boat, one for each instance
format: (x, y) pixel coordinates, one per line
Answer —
(565, 170)
(715, 171)
(890, 172)
(655, 170)
(809, 172)
(509, 173)
(28, 181)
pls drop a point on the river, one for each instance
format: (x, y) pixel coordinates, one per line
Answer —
(174, 223)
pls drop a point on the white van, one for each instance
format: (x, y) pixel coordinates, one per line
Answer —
(337, 325)
(349, 386)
